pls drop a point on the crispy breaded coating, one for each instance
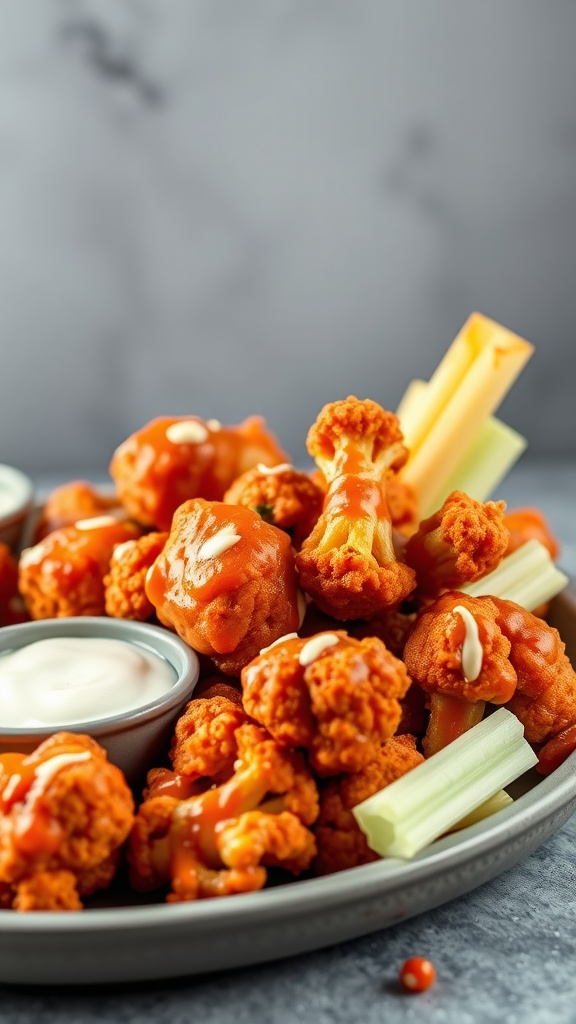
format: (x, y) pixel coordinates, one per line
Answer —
(64, 808)
(524, 524)
(283, 496)
(336, 696)
(545, 697)
(63, 574)
(204, 741)
(356, 436)
(124, 583)
(461, 542)
(348, 564)
(175, 458)
(225, 582)
(218, 842)
(75, 500)
(433, 650)
(47, 890)
(341, 843)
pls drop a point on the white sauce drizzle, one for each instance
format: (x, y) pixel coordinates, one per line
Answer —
(187, 432)
(223, 540)
(280, 640)
(313, 649)
(95, 523)
(273, 470)
(214, 424)
(44, 772)
(32, 556)
(68, 680)
(121, 549)
(472, 652)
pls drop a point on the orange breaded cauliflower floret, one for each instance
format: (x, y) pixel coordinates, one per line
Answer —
(221, 841)
(517, 660)
(463, 541)
(63, 574)
(524, 524)
(204, 748)
(204, 741)
(282, 495)
(124, 583)
(433, 652)
(348, 564)
(225, 582)
(175, 458)
(333, 695)
(341, 842)
(64, 809)
(75, 500)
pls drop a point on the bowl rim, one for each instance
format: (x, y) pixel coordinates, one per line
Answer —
(156, 639)
(22, 487)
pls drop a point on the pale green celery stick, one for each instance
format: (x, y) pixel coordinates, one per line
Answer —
(528, 576)
(486, 462)
(496, 803)
(413, 811)
(483, 466)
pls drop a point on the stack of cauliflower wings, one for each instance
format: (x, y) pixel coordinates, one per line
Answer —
(330, 627)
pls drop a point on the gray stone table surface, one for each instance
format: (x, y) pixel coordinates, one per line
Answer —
(505, 952)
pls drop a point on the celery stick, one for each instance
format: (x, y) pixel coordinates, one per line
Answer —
(484, 465)
(413, 811)
(528, 577)
(489, 457)
(409, 406)
(468, 385)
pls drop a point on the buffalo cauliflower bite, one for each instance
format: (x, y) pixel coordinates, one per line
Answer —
(463, 541)
(204, 743)
(519, 661)
(341, 843)
(63, 574)
(64, 811)
(174, 458)
(225, 582)
(348, 564)
(282, 495)
(524, 524)
(335, 696)
(72, 501)
(124, 583)
(221, 841)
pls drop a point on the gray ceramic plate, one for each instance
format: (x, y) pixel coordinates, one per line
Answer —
(133, 943)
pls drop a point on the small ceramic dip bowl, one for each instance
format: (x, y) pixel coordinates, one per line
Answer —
(135, 737)
(16, 497)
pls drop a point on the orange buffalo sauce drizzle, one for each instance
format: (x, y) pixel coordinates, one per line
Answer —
(357, 498)
(268, 550)
(35, 832)
(193, 837)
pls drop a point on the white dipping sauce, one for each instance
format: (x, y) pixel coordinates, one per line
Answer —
(67, 680)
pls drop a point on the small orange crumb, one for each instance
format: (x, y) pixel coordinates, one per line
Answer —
(417, 974)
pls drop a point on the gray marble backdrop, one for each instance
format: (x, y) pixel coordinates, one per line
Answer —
(237, 206)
